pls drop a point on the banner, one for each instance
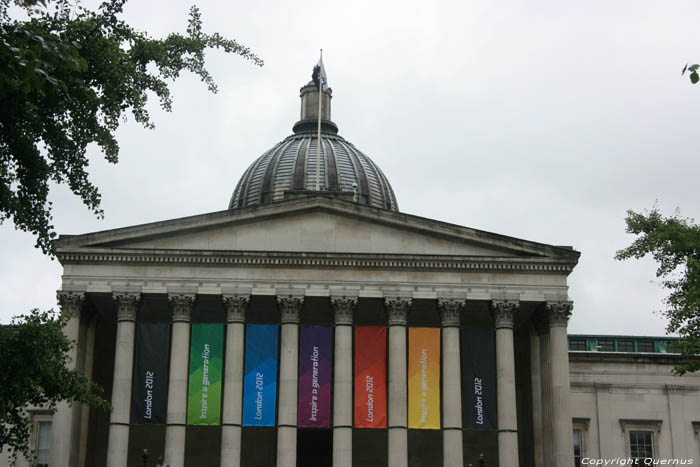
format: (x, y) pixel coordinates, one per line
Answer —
(315, 353)
(149, 397)
(204, 395)
(370, 377)
(260, 381)
(424, 378)
(479, 379)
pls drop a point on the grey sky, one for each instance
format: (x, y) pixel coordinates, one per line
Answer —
(543, 120)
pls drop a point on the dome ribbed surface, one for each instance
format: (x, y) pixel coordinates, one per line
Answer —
(290, 166)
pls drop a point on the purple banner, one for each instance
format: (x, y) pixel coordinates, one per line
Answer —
(315, 377)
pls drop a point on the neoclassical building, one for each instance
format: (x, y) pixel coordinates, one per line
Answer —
(313, 323)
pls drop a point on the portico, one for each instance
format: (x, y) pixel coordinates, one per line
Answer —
(300, 263)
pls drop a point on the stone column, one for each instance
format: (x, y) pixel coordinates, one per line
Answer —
(343, 311)
(536, 379)
(290, 308)
(87, 362)
(562, 432)
(504, 314)
(181, 306)
(452, 446)
(66, 420)
(397, 309)
(542, 327)
(118, 444)
(236, 307)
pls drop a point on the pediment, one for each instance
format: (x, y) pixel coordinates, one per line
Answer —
(315, 224)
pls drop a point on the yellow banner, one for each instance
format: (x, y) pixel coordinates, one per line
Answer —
(424, 378)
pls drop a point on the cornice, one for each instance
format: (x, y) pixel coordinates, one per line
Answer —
(626, 357)
(314, 259)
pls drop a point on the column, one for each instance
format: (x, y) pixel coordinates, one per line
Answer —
(504, 314)
(562, 435)
(290, 308)
(181, 306)
(118, 444)
(542, 326)
(236, 307)
(87, 362)
(536, 381)
(65, 431)
(451, 384)
(343, 311)
(397, 309)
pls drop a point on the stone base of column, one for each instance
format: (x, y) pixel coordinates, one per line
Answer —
(452, 448)
(118, 446)
(398, 447)
(342, 447)
(175, 445)
(230, 446)
(286, 446)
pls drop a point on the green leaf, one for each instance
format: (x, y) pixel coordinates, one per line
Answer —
(694, 78)
(68, 77)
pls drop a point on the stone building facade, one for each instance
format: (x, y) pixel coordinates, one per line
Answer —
(319, 241)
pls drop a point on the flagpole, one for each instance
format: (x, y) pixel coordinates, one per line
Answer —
(318, 149)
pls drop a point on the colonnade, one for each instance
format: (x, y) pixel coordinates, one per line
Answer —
(556, 422)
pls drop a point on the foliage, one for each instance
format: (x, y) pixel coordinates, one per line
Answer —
(693, 75)
(34, 354)
(68, 75)
(674, 243)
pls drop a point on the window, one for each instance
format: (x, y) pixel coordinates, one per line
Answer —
(645, 346)
(577, 344)
(641, 438)
(580, 426)
(43, 443)
(641, 445)
(578, 447)
(625, 346)
(606, 345)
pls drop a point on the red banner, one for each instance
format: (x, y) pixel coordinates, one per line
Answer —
(370, 377)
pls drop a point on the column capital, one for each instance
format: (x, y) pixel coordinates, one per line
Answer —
(558, 313)
(344, 309)
(290, 308)
(236, 306)
(450, 311)
(70, 302)
(397, 309)
(181, 305)
(504, 313)
(127, 304)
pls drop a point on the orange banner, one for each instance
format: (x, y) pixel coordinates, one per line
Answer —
(370, 377)
(424, 378)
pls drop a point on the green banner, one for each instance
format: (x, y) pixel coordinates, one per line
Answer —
(204, 395)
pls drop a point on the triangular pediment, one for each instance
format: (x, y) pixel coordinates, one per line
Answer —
(315, 224)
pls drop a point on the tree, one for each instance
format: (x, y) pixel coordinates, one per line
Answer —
(33, 350)
(693, 75)
(68, 75)
(674, 243)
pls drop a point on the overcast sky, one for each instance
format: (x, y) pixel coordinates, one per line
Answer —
(543, 120)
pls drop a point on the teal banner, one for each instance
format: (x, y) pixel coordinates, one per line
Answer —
(260, 382)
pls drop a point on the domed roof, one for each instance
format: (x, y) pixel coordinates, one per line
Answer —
(289, 169)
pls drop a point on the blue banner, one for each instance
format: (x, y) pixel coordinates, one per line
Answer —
(260, 382)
